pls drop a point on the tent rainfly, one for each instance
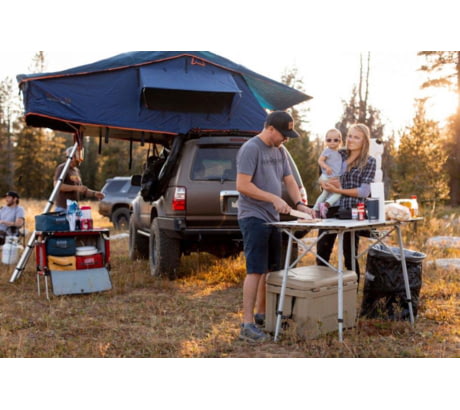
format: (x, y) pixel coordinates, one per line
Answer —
(139, 95)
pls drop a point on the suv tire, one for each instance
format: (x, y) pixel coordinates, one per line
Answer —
(120, 219)
(164, 253)
(138, 244)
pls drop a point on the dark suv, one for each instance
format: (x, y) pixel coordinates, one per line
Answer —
(118, 193)
(194, 204)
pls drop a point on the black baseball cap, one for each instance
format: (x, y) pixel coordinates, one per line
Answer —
(283, 122)
(12, 194)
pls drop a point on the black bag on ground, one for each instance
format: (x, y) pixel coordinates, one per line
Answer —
(384, 291)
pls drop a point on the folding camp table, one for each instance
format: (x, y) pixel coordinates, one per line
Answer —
(338, 226)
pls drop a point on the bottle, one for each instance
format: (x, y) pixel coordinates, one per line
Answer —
(414, 206)
(78, 220)
(361, 211)
(86, 221)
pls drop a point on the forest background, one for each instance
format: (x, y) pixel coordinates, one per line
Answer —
(422, 160)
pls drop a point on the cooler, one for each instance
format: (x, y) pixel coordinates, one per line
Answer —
(311, 299)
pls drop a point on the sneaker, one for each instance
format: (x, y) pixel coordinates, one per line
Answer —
(251, 333)
(259, 319)
(323, 208)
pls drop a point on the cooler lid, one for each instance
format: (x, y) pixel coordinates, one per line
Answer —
(310, 277)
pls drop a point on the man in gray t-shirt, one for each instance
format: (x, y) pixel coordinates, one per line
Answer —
(11, 216)
(262, 167)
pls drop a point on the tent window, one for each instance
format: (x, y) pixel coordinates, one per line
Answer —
(190, 88)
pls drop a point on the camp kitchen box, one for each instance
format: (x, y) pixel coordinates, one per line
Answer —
(89, 271)
(311, 299)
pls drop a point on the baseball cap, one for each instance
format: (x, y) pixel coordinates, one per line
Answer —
(12, 194)
(283, 122)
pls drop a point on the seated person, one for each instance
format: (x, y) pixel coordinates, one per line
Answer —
(12, 216)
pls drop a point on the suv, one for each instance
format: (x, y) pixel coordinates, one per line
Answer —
(195, 206)
(118, 193)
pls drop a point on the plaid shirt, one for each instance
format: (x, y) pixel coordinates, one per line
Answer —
(355, 178)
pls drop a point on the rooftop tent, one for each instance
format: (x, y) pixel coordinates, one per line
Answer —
(134, 94)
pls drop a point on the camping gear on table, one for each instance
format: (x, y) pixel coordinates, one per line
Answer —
(51, 222)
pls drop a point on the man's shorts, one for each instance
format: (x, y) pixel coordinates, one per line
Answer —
(262, 245)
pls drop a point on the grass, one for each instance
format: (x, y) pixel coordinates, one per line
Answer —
(198, 315)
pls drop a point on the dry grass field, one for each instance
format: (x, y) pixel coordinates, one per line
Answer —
(198, 315)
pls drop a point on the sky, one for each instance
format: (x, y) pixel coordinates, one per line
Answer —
(328, 76)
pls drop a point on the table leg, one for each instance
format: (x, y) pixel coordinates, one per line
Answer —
(405, 275)
(354, 256)
(340, 286)
(279, 312)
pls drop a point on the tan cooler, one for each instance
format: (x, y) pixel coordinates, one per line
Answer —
(311, 299)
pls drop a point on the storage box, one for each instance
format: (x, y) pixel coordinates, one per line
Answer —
(51, 222)
(61, 262)
(311, 300)
(90, 261)
(61, 246)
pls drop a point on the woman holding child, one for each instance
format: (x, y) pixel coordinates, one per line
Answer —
(358, 171)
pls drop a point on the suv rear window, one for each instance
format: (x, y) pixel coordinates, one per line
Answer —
(215, 163)
(116, 186)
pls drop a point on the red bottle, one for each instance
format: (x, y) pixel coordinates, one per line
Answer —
(361, 211)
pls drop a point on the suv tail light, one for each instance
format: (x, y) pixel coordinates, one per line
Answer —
(179, 202)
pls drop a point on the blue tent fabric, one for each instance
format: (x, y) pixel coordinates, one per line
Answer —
(109, 94)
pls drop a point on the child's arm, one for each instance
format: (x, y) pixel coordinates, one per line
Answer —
(323, 165)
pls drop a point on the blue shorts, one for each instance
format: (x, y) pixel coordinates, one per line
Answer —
(262, 245)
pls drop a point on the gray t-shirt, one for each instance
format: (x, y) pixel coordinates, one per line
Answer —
(10, 214)
(268, 166)
(334, 160)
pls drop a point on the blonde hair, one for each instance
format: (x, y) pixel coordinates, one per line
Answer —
(363, 156)
(337, 132)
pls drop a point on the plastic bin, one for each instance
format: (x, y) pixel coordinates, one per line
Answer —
(311, 300)
(384, 294)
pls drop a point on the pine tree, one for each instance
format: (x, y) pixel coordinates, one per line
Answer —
(443, 68)
(37, 152)
(9, 111)
(358, 109)
(421, 160)
(301, 149)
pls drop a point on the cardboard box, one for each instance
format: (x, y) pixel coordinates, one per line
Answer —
(311, 300)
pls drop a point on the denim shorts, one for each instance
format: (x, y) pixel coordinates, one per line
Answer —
(262, 245)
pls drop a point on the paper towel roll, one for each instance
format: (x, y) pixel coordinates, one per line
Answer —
(378, 191)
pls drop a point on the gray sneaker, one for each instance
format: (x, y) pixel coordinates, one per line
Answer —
(251, 333)
(259, 320)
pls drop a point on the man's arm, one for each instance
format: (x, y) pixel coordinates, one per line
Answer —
(245, 186)
(294, 193)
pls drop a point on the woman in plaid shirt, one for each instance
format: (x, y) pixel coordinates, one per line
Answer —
(358, 171)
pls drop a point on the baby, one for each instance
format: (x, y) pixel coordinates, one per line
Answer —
(330, 162)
